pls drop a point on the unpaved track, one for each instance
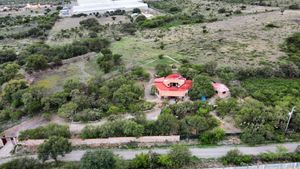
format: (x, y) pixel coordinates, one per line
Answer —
(212, 152)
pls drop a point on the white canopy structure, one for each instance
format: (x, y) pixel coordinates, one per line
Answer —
(101, 6)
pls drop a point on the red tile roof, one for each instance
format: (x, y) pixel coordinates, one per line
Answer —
(183, 89)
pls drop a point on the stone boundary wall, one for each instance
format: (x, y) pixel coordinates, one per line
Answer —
(109, 142)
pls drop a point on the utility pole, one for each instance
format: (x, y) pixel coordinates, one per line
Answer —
(290, 116)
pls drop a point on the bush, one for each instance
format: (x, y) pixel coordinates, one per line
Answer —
(213, 136)
(139, 73)
(294, 7)
(22, 163)
(45, 132)
(140, 18)
(226, 107)
(153, 90)
(36, 62)
(202, 86)
(7, 56)
(222, 10)
(292, 48)
(297, 149)
(140, 161)
(163, 70)
(120, 128)
(237, 158)
(136, 10)
(180, 156)
(98, 159)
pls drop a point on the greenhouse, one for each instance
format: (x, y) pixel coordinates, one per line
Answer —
(91, 6)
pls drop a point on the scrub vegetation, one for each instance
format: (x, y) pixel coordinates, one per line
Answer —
(97, 72)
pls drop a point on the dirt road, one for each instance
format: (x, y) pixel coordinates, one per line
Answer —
(211, 152)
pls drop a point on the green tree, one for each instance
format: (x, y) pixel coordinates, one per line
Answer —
(32, 99)
(128, 94)
(68, 110)
(226, 107)
(98, 159)
(210, 68)
(13, 87)
(202, 86)
(36, 62)
(45, 132)
(180, 156)
(8, 71)
(131, 128)
(213, 136)
(7, 55)
(72, 84)
(194, 125)
(163, 70)
(53, 147)
(167, 124)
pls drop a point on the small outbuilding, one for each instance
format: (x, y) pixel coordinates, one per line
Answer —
(222, 91)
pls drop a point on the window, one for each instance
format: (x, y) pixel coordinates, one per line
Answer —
(173, 84)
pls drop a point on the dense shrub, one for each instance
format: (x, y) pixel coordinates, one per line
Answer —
(22, 163)
(271, 90)
(90, 22)
(226, 107)
(171, 20)
(136, 10)
(292, 47)
(8, 71)
(237, 158)
(212, 136)
(108, 60)
(55, 53)
(120, 128)
(163, 70)
(202, 86)
(98, 159)
(36, 62)
(141, 161)
(139, 73)
(222, 10)
(180, 156)
(294, 6)
(45, 132)
(7, 55)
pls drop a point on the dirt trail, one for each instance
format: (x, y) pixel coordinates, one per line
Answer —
(155, 112)
(25, 125)
(210, 152)
(5, 151)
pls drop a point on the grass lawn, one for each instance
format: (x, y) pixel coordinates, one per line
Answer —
(143, 52)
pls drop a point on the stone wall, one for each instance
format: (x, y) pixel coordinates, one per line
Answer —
(110, 142)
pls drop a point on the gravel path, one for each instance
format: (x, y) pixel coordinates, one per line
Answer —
(211, 152)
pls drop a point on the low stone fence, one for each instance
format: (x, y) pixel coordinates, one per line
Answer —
(110, 142)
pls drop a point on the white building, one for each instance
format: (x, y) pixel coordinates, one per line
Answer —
(101, 6)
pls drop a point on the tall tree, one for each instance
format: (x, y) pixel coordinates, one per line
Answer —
(54, 147)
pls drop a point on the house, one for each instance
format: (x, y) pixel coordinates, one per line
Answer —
(221, 90)
(173, 85)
